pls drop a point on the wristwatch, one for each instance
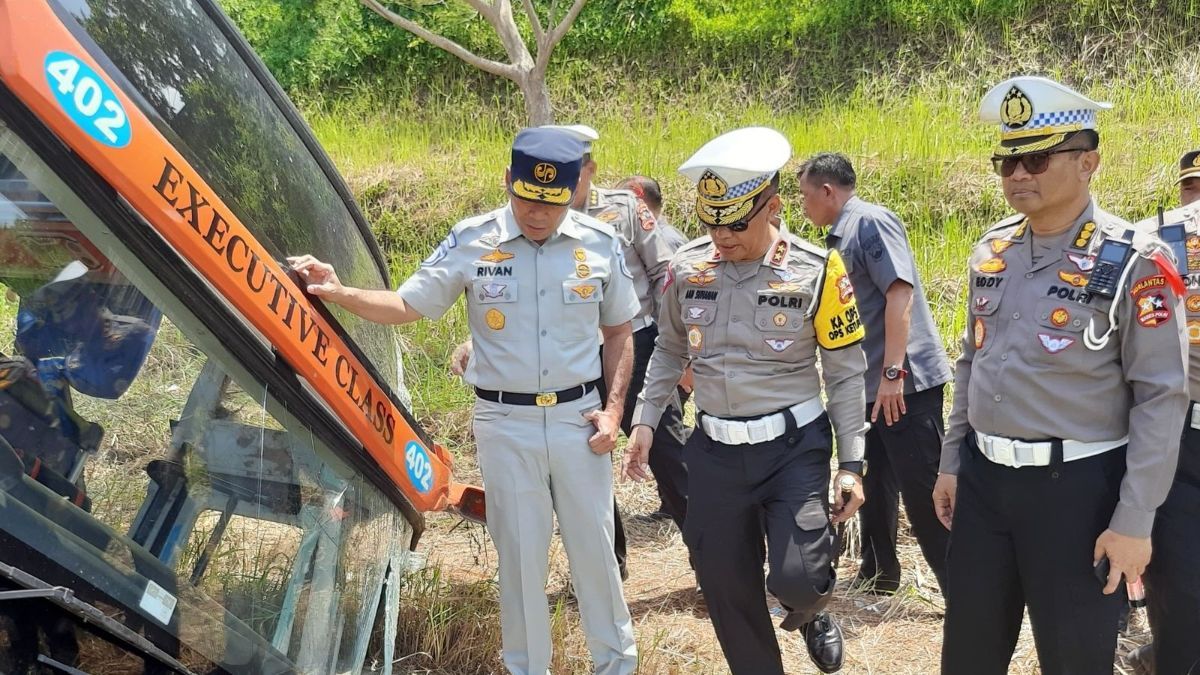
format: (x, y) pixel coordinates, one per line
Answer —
(894, 373)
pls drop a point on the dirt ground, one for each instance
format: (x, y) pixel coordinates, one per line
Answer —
(884, 635)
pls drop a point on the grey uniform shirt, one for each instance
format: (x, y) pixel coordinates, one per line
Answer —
(875, 249)
(1026, 372)
(750, 331)
(1190, 217)
(647, 248)
(534, 311)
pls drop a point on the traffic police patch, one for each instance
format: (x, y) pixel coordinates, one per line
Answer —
(992, 266)
(777, 344)
(1083, 263)
(1074, 278)
(836, 322)
(980, 333)
(1153, 310)
(1055, 343)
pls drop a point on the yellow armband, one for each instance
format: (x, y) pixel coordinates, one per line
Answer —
(836, 322)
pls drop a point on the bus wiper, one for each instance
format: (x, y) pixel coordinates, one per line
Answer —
(64, 598)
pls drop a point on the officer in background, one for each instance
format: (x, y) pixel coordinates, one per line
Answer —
(541, 283)
(1068, 402)
(907, 369)
(1173, 577)
(752, 306)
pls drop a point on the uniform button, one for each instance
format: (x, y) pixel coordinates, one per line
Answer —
(1045, 315)
(739, 286)
(1076, 322)
(1029, 275)
(1004, 356)
(1016, 315)
(997, 398)
(735, 319)
(543, 332)
(541, 251)
(542, 292)
(547, 372)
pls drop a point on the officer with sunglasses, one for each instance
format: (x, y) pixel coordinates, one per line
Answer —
(1068, 402)
(1173, 577)
(751, 307)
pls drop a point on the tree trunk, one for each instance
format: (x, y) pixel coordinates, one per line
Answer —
(537, 98)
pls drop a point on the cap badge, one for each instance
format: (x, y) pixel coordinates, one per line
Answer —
(545, 172)
(1016, 110)
(1196, 161)
(712, 186)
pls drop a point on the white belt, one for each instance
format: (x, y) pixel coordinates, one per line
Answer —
(642, 322)
(763, 429)
(1195, 416)
(1014, 453)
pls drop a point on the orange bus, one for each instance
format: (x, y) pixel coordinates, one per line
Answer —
(202, 469)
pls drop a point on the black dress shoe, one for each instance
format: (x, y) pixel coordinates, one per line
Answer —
(823, 637)
(879, 584)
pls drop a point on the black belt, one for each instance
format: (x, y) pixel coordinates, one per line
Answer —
(541, 399)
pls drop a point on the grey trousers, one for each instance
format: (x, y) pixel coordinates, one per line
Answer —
(536, 463)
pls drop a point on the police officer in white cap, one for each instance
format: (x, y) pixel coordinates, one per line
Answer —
(751, 307)
(1068, 402)
(541, 283)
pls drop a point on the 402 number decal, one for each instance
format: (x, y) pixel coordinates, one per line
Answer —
(87, 99)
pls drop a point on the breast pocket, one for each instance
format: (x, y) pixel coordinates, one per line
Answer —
(777, 334)
(985, 305)
(698, 318)
(581, 308)
(1060, 330)
(492, 309)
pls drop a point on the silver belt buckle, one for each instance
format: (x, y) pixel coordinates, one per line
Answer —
(1002, 451)
(738, 434)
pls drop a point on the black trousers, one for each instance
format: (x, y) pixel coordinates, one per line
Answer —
(903, 458)
(739, 495)
(1025, 538)
(666, 453)
(1173, 577)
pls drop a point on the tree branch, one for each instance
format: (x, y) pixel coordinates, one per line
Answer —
(497, 68)
(539, 33)
(543, 56)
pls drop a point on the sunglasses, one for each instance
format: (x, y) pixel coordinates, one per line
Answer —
(744, 223)
(1034, 163)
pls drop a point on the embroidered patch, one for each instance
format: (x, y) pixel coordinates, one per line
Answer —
(584, 291)
(1000, 245)
(837, 323)
(1147, 283)
(696, 313)
(491, 239)
(702, 279)
(980, 333)
(704, 266)
(1059, 317)
(992, 266)
(786, 275)
(1153, 310)
(785, 286)
(1083, 263)
(1193, 251)
(1074, 278)
(779, 319)
(497, 256)
(981, 303)
(1193, 332)
(583, 271)
(608, 216)
(1193, 303)
(442, 250)
(777, 344)
(1055, 343)
(845, 288)
(580, 255)
(495, 319)
(695, 338)
(645, 217)
(494, 289)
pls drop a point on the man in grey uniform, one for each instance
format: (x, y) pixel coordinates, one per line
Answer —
(907, 369)
(541, 283)
(1173, 576)
(752, 307)
(1068, 402)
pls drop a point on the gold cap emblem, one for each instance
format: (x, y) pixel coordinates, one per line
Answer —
(1016, 110)
(545, 172)
(712, 186)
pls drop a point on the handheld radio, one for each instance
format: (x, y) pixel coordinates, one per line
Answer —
(1110, 261)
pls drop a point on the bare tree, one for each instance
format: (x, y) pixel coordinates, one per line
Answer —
(526, 70)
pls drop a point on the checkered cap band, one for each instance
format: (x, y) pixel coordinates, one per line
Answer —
(1085, 119)
(743, 189)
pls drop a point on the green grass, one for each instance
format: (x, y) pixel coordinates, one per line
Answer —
(918, 147)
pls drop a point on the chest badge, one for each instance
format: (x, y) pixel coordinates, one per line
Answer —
(1074, 278)
(703, 278)
(696, 313)
(1059, 317)
(777, 345)
(993, 266)
(494, 289)
(981, 303)
(580, 255)
(1192, 303)
(583, 271)
(695, 337)
(779, 319)
(980, 333)
(584, 291)
(1083, 263)
(1193, 332)
(495, 319)
(497, 256)
(1055, 343)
